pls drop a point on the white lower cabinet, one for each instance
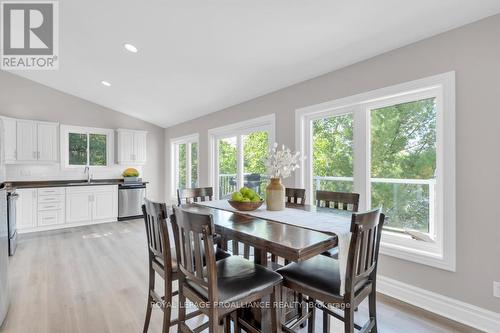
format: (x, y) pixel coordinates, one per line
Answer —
(26, 208)
(91, 204)
(50, 208)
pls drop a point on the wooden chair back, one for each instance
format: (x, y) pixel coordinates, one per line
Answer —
(366, 230)
(190, 195)
(339, 200)
(295, 195)
(194, 246)
(155, 219)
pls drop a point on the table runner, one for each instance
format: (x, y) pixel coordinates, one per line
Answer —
(338, 223)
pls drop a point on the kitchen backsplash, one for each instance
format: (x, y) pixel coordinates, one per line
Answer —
(20, 172)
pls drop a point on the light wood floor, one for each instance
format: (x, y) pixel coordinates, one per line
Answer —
(93, 280)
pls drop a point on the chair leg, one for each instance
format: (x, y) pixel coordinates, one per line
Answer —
(167, 309)
(326, 322)
(236, 325)
(182, 308)
(372, 309)
(300, 302)
(312, 315)
(215, 325)
(275, 310)
(349, 320)
(149, 307)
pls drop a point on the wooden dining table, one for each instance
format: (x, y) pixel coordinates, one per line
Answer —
(265, 236)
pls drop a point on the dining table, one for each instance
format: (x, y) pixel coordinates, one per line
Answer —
(271, 238)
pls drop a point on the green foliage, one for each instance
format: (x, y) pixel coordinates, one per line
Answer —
(97, 149)
(77, 145)
(182, 165)
(403, 146)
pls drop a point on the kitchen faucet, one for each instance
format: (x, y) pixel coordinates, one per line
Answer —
(87, 172)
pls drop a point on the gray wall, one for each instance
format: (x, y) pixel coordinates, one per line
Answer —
(473, 51)
(25, 99)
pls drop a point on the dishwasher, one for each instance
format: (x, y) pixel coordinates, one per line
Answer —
(130, 200)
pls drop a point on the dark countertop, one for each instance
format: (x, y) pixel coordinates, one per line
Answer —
(12, 185)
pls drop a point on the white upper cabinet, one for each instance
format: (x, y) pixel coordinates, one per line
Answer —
(131, 146)
(35, 141)
(26, 141)
(9, 127)
(48, 143)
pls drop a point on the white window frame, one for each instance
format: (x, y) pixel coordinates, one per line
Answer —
(441, 252)
(174, 159)
(66, 129)
(265, 123)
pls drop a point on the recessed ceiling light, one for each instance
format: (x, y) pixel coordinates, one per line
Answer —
(106, 83)
(130, 48)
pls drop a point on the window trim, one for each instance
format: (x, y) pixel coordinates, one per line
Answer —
(442, 253)
(174, 163)
(267, 123)
(66, 129)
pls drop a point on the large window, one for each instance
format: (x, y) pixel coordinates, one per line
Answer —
(238, 155)
(83, 146)
(184, 162)
(394, 146)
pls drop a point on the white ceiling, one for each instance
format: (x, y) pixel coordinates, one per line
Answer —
(196, 57)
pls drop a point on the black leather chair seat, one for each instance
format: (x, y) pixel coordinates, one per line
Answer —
(238, 278)
(332, 253)
(320, 274)
(219, 255)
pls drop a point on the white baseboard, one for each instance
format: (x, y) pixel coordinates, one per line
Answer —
(467, 314)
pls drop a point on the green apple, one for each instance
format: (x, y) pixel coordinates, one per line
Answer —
(237, 196)
(245, 199)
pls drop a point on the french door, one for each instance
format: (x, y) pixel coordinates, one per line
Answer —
(239, 156)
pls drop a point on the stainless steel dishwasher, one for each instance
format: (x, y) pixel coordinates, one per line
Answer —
(130, 199)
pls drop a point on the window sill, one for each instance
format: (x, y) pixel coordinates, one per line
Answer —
(404, 247)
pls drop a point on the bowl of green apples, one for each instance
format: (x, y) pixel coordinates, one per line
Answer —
(245, 200)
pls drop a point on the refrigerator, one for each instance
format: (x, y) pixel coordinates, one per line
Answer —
(4, 235)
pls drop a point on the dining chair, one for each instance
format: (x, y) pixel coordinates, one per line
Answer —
(295, 195)
(190, 195)
(319, 277)
(219, 288)
(162, 260)
(339, 200)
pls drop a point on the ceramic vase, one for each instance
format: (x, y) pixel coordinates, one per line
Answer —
(275, 195)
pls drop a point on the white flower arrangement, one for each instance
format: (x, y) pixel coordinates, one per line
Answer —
(281, 163)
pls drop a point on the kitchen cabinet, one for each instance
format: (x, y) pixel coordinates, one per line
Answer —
(36, 141)
(10, 133)
(89, 204)
(26, 208)
(105, 204)
(26, 141)
(47, 142)
(51, 206)
(132, 147)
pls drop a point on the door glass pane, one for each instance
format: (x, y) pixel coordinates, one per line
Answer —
(77, 148)
(333, 153)
(403, 163)
(255, 151)
(194, 164)
(227, 166)
(181, 162)
(97, 149)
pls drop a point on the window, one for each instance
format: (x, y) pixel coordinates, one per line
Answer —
(82, 146)
(238, 155)
(184, 162)
(392, 146)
